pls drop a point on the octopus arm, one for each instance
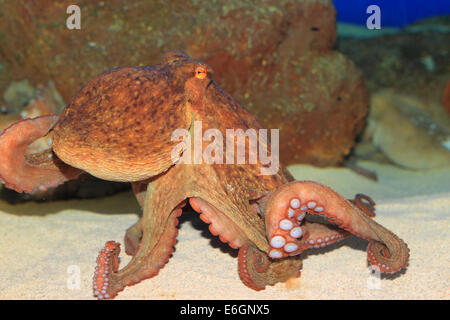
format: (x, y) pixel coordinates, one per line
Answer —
(257, 270)
(288, 205)
(150, 241)
(26, 172)
(319, 235)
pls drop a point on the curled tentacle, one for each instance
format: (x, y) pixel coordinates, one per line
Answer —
(107, 263)
(28, 172)
(108, 281)
(151, 240)
(288, 205)
(257, 270)
(365, 204)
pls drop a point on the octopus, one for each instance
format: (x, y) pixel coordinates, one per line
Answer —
(120, 127)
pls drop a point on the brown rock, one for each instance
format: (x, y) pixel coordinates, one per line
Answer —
(407, 74)
(412, 62)
(313, 94)
(269, 54)
(319, 103)
(408, 131)
(446, 98)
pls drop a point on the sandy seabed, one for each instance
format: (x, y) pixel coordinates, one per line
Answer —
(45, 246)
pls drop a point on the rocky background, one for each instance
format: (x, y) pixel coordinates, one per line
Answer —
(279, 58)
(275, 57)
(408, 76)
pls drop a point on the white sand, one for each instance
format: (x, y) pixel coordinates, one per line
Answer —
(39, 242)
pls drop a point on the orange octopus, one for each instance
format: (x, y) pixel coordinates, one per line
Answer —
(119, 127)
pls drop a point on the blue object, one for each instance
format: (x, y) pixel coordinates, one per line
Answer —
(394, 13)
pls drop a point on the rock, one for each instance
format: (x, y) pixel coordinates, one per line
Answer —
(409, 132)
(36, 102)
(46, 101)
(269, 54)
(314, 95)
(407, 75)
(17, 95)
(318, 102)
(446, 98)
(412, 62)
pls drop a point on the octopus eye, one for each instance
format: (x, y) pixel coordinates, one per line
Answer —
(200, 73)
